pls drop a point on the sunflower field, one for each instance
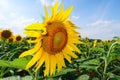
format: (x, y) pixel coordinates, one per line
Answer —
(97, 60)
(54, 50)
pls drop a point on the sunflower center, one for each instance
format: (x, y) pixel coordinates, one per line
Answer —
(10, 39)
(56, 38)
(6, 34)
(18, 38)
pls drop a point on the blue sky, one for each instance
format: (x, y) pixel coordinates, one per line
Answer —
(98, 19)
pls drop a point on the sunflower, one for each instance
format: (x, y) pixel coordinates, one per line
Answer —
(6, 34)
(55, 39)
(87, 40)
(18, 38)
(94, 43)
(11, 39)
(27, 38)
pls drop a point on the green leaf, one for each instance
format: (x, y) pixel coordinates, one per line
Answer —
(4, 63)
(17, 78)
(90, 64)
(82, 59)
(26, 78)
(113, 76)
(95, 78)
(64, 71)
(16, 63)
(88, 61)
(88, 67)
(83, 77)
(11, 78)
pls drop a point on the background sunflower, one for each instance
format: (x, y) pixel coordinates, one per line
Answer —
(18, 38)
(6, 34)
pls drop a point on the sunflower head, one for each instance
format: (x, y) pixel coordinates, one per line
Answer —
(18, 38)
(11, 39)
(54, 41)
(56, 38)
(6, 34)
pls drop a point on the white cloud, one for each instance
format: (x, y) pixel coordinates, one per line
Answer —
(100, 23)
(49, 2)
(10, 19)
(107, 31)
(2, 17)
(4, 4)
(15, 23)
(20, 23)
(75, 17)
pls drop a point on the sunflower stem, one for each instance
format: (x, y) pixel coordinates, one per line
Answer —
(10, 52)
(31, 74)
(37, 75)
(107, 58)
(3, 44)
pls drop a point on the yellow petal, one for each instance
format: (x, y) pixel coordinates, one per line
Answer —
(47, 65)
(40, 62)
(35, 58)
(52, 64)
(61, 9)
(33, 33)
(67, 13)
(59, 15)
(75, 41)
(71, 25)
(44, 31)
(32, 41)
(60, 61)
(69, 52)
(73, 55)
(67, 57)
(74, 47)
(31, 51)
(46, 13)
(37, 27)
(54, 10)
(35, 41)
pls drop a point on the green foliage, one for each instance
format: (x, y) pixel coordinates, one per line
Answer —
(83, 77)
(101, 62)
(17, 78)
(16, 63)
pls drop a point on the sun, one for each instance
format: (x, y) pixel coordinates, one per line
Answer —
(55, 41)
